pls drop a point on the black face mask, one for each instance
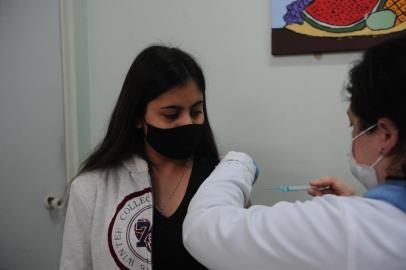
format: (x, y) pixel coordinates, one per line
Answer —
(175, 143)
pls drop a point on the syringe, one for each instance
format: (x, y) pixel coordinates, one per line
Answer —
(294, 188)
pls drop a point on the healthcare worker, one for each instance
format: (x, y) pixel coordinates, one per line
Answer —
(333, 231)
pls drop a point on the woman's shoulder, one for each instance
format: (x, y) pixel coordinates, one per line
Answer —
(202, 168)
(207, 162)
(88, 182)
(95, 179)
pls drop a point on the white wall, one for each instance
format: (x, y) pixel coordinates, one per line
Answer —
(284, 111)
(32, 155)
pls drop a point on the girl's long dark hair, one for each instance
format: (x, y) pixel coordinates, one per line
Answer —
(154, 71)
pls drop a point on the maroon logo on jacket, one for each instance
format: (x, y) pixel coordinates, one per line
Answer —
(130, 231)
(143, 232)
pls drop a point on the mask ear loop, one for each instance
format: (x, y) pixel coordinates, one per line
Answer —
(359, 135)
(363, 132)
(377, 161)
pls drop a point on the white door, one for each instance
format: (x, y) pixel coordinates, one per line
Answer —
(32, 155)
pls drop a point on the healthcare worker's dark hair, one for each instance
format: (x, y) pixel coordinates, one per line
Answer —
(377, 88)
(154, 71)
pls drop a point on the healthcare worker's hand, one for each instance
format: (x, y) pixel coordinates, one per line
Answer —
(330, 185)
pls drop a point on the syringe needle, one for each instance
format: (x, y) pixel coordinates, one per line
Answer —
(295, 188)
(288, 188)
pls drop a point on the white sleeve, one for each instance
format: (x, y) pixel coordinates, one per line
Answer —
(220, 233)
(76, 250)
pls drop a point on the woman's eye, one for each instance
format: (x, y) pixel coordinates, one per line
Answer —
(196, 113)
(172, 116)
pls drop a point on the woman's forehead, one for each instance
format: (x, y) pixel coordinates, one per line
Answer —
(184, 94)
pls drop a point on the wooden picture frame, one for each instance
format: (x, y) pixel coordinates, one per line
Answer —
(316, 26)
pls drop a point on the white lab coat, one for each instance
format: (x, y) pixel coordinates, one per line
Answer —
(328, 232)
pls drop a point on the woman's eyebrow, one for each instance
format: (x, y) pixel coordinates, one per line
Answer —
(177, 107)
(197, 104)
(171, 107)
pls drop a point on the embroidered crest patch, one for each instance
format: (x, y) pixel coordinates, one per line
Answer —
(130, 231)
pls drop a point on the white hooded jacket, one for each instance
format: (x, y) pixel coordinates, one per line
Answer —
(109, 220)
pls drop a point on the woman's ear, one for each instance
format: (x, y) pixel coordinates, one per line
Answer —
(389, 134)
(139, 124)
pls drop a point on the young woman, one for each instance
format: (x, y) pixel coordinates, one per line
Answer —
(127, 205)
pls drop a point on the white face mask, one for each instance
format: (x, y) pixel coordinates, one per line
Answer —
(364, 173)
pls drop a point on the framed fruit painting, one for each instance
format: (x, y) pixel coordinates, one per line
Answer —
(315, 26)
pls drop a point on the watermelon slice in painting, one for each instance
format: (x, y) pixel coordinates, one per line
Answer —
(340, 15)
